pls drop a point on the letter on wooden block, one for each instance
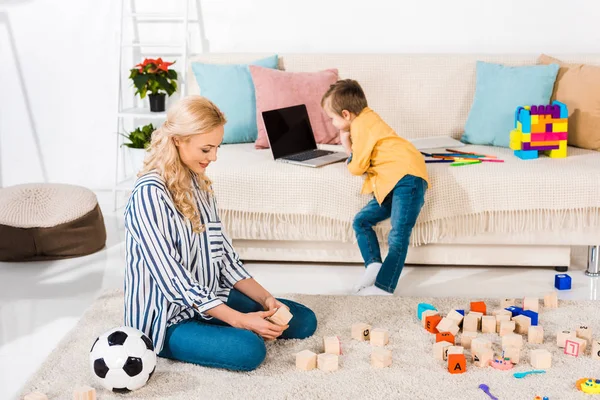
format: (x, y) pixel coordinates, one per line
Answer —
(540, 359)
(584, 332)
(381, 358)
(35, 396)
(478, 306)
(84, 393)
(332, 345)
(562, 336)
(448, 325)
(482, 358)
(431, 323)
(306, 360)
(535, 334)
(426, 314)
(575, 347)
(445, 337)
(508, 303)
(551, 300)
(466, 338)
(488, 324)
(522, 324)
(513, 353)
(361, 331)
(596, 350)
(512, 340)
(379, 337)
(531, 303)
(327, 362)
(457, 363)
(440, 350)
(507, 327)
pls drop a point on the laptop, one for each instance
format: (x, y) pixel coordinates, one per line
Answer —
(292, 140)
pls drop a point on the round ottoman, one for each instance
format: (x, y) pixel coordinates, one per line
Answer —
(49, 222)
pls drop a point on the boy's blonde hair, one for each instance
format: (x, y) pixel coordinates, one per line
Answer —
(345, 94)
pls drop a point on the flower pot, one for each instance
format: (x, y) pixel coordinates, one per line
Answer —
(157, 102)
(136, 159)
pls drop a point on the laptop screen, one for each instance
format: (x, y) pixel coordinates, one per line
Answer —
(289, 131)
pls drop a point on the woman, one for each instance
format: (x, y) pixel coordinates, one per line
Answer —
(185, 286)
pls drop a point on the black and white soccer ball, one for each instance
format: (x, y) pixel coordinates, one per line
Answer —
(123, 359)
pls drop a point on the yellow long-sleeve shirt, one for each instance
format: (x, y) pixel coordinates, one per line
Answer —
(383, 155)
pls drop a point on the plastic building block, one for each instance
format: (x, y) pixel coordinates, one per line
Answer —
(461, 312)
(478, 306)
(562, 281)
(424, 307)
(526, 155)
(561, 152)
(532, 315)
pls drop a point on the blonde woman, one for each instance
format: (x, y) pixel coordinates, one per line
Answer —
(185, 286)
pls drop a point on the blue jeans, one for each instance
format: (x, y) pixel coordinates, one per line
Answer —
(402, 205)
(213, 343)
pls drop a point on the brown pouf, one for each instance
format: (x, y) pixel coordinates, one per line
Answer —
(49, 222)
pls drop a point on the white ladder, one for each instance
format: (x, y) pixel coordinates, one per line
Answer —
(123, 181)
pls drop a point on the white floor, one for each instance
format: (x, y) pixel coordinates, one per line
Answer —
(40, 302)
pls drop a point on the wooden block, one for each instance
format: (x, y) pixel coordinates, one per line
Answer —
(306, 360)
(512, 340)
(379, 337)
(327, 362)
(456, 317)
(575, 346)
(531, 303)
(540, 359)
(596, 350)
(281, 317)
(522, 324)
(478, 306)
(457, 363)
(508, 303)
(426, 314)
(466, 338)
(503, 311)
(507, 327)
(482, 358)
(583, 332)
(332, 345)
(551, 300)
(480, 344)
(431, 323)
(535, 334)
(445, 337)
(84, 393)
(562, 336)
(440, 350)
(501, 318)
(455, 350)
(488, 324)
(381, 358)
(471, 323)
(448, 325)
(35, 396)
(513, 353)
(361, 331)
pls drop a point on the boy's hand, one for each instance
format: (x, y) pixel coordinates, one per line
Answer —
(346, 141)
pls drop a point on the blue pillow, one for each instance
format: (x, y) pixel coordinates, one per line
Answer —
(230, 87)
(499, 91)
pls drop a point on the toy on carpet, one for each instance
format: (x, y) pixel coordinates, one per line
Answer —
(422, 307)
(486, 390)
(361, 331)
(502, 363)
(588, 385)
(123, 359)
(520, 375)
(540, 128)
(306, 360)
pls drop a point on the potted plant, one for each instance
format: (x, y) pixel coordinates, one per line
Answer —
(139, 140)
(155, 77)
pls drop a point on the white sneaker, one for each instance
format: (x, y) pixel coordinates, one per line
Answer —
(368, 278)
(373, 291)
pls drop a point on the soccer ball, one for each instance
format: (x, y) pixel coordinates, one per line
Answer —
(123, 359)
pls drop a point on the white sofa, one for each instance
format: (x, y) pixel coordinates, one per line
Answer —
(287, 213)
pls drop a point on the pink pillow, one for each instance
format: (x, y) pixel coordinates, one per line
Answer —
(278, 89)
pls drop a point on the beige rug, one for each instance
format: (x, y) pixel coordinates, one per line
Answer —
(415, 374)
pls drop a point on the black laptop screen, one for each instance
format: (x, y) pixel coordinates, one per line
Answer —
(289, 131)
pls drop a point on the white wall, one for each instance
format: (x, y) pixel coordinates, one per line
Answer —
(58, 59)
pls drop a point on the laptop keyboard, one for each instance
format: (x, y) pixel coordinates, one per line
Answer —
(308, 155)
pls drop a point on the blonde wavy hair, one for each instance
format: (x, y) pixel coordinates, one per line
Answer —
(192, 115)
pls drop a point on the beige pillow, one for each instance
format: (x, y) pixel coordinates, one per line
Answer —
(578, 86)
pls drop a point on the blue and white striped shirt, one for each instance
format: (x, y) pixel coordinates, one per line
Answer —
(170, 268)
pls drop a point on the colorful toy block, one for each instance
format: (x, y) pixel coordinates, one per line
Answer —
(445, 337)
(575, 347)
(432, 322)
(532, 315)
(457, 364)
(422, 307)
(540, 128)
(426, 314)
(479, 307)
(562, 281)
(515, 310)
(461, 312)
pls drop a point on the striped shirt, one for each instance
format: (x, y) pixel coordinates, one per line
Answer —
(170, 268)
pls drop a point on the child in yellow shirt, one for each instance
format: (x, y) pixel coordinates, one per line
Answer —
(395, 174)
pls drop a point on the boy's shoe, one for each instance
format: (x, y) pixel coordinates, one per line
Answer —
(368, 278)
(373, 291)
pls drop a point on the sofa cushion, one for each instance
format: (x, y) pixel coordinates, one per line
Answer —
(230, 87)
(278, 89)
(578, 86)
(500, 90)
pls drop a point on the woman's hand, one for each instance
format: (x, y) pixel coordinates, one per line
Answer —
(271, 303)
(257, 323)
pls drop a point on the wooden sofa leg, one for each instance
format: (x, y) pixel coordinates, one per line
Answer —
(593, 264)
(561, 269)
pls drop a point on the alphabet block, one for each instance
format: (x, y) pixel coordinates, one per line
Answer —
(483, 358)
(327, 362)
(431, 323)
(445, 337)
(478, 306)
(379, 337)
(471, 323)
(35, 396)
(531, 303)
(456, 317)
(306, 360)
(84, 393)
(332, 345)
(575, 346)
(361, 331)
(457, 363)
(466, 339)
(583, 332)
(488, 324)
(504, 303)
(448, 325)
(562, 336)
(522, 324)
(440, 350)
(422, 307)
(596, 350)
(426, 314)
(381, 358)
(512, 340)
(551, 300)
(507, 327)
(513, 353)
(535, 334)
(540, 359)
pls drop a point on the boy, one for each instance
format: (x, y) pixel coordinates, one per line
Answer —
(395, 174)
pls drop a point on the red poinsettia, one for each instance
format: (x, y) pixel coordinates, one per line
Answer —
(154, 76)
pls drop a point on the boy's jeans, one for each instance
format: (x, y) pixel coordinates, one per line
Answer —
(402, 205)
